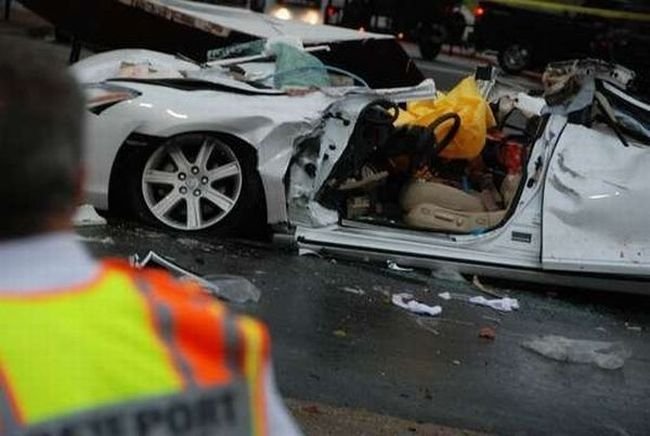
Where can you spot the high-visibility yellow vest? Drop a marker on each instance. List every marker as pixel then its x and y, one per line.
pixel 132 353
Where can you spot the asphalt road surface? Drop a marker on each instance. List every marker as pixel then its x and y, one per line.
pixel 353 363
pixel 338 340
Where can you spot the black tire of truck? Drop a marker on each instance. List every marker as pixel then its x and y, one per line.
pixel 430 40
pixel 515 58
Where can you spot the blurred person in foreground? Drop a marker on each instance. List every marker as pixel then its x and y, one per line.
pixel 98 348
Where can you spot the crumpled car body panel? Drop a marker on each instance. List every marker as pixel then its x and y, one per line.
pixel 596 204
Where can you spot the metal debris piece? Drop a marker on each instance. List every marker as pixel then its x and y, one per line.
pixel 235 289
pixel 481 287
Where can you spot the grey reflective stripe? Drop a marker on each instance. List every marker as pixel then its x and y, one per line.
pixel 165 321
pixel 219 411
pixel 9 424
pixel 234 343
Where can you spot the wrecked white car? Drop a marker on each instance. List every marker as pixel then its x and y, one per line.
pixel 557 189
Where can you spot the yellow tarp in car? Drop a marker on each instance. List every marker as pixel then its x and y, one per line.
pixel 464 100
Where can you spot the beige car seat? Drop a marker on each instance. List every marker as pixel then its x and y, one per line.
pixel 419 192
pixel 435 206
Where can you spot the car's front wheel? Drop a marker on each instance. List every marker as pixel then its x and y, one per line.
pixel 196 182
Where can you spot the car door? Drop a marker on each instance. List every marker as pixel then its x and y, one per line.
pixel 596 206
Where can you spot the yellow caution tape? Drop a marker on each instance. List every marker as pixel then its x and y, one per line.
pixel 564 8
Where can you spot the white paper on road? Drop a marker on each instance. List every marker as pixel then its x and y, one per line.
pixel 502 305
pixel 406 301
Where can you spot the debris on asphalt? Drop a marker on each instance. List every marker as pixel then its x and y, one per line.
pixel 86 215
pixel 456 362
pixel 502 305
pixel 494 320
pixel 487 333
pixel 481 287
pixel 197 245
pixel 633 328
pixel 605 355
pixel 448 274
pixel 235 289
pixel 355 290
pixel 428 325
pixel 395 267
pixel 89 239
pixel 313 409
pixel 308 252
pixel 407 302
pixel 445 296
pixel 383 290
pixel 340 333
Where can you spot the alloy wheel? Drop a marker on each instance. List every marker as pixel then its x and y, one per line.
pixel 192 183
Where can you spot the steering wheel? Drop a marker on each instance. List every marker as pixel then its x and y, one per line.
pixel 442 144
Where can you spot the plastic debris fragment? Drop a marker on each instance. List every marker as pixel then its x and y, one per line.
pixel 606 355
pixel 449 274
pixel 86 215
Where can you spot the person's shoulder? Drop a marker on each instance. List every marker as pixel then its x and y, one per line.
pixel 189 300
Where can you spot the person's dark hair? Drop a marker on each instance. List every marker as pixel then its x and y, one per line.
pixel 41 123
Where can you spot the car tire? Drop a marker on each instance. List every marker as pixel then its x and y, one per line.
pixel 515 58
pixel 430 40
pixel 197 183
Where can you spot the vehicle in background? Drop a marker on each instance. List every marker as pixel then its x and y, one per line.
pixel 531 33
pixel 430 24
pixel 307 11
pixel 246 4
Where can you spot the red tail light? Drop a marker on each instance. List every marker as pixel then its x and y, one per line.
pixel 331 11
pixel 479 11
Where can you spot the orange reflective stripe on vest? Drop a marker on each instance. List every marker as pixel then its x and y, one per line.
pixel 134 349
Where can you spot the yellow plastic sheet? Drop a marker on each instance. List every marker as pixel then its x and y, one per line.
pixel 464 100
